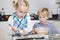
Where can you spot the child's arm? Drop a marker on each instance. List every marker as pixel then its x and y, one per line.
pixel 33 31
pixel 17 30
pixel 13 28
pixel 10 23
pixel 54 30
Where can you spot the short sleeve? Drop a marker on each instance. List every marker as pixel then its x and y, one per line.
pixel 10 21
pixel 54 31
pixel 35 25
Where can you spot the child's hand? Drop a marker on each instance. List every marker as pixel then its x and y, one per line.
pixel 22 35
pixel 33 31
pixel 22 32
pixel 14 29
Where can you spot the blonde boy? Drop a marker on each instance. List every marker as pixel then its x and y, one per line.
pixel 43 26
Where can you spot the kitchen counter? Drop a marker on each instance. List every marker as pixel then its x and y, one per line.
pixel 53 19
pixel 4 17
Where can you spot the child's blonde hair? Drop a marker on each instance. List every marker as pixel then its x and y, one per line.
pixel 43 10
pixel 19 2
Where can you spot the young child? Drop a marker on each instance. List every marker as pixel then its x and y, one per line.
pixel 20 20
pixel 43 26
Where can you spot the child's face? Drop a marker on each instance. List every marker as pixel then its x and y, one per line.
pixel 21 11
pixel 43 17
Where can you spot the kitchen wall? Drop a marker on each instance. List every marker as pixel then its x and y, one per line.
pixel 34 5
pixel 7 5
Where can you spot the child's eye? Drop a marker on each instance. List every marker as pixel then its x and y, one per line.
pixel 20 11
pixel 39 17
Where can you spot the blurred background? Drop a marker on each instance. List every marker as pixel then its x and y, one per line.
pixel 6 9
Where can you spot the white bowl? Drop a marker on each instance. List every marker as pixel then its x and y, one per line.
pixel 42 30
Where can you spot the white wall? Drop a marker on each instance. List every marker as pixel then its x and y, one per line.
pixel 34 5
pixel 7 5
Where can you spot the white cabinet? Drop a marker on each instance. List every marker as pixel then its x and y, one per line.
pixel 4 31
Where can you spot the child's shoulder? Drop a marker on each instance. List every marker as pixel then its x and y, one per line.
pixel 37 23
pixel 50 23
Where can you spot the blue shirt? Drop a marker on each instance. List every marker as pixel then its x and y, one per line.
pixel 51 27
